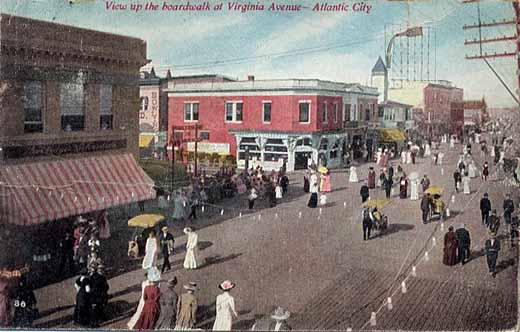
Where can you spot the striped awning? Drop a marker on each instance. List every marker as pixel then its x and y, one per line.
pixel 33 193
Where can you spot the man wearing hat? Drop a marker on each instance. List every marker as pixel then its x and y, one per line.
pixel 494 222
pixel 492 247
pixel 485 208
pixel 166 241
pixel 464 243
pixel 277 321
pixel 187 308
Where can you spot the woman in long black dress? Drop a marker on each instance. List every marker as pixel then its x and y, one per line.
pixel 306 182
pixel 83 308
pixel 24 305
pixel 313 200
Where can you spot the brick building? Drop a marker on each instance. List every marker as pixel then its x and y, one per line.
pixel 274 120
pixel 431 103
pixel 153 111
pixel 475 112
pixel 68 126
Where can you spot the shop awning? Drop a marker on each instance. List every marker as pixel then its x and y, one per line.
pixel 145 140
pixel 33 193
pixel 391 135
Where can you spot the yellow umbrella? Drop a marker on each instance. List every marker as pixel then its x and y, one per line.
pixel 434 190
pixel 378 203
pixel 145 220
pixel 323 169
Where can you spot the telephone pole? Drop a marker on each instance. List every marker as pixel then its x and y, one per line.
pixel 503 39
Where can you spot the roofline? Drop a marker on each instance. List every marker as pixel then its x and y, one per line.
pixel 6 15
pixel 274 89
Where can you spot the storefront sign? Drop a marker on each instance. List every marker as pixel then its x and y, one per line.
pixel 209 147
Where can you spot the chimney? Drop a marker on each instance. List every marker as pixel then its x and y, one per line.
pixel 250 77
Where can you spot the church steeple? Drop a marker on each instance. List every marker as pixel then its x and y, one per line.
pixel 379 67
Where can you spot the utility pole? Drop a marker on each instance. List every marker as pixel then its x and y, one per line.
pixel 480 41
pixel 196 148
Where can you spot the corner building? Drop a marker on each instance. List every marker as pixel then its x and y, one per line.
pixel 273 120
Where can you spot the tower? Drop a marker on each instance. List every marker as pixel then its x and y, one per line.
pixel 378 78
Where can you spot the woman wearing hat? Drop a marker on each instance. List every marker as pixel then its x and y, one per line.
pixel 151 307
pixel 168 303
pixel 187 308
pixel 190 261
pixel 225 308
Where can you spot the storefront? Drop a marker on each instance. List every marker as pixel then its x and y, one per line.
pixel 270 150
pixel 392 139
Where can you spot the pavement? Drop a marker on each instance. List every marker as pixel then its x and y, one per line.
pixel 318 266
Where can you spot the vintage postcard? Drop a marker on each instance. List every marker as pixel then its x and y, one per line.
pixel 265 165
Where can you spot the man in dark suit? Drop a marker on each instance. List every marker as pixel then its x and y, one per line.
pixel 464 242
pixel 364 192
pixel 509 208
pixel 492 248
pixel 100 288
pixel 485 208
pixel 425 207
pixel 166 241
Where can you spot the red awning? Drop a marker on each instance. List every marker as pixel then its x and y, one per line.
pixel 36 192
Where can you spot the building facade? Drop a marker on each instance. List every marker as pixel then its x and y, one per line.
pixel 68 126
pixel 431 103
pixel 475 112
pixel 270 122
pixel 153 111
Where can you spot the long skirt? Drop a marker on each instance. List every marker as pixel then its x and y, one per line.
pixel 313 200
pixel 306 185
pixel 190 261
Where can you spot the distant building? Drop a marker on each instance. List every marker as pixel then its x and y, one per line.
pixel 153 111
pixel 396 115
pixel 475 112
pixel 377 78
pixel 272 121
pixel 68 126
pixel 431 102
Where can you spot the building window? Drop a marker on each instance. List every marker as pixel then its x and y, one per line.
pixel 204 135
pixel 144 103
pixel 305 112
pixel 275 150
pixel 72 106
pixel 105 107
pixel 306 141
pixel 32 105
pixel 325 114
pixel 234 111
pixel 353 114
pixel 191 111
pixel 336 113
pixel 346 112
pixel 249 144
pixel 266 113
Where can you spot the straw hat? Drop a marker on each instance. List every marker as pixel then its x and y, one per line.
pixel 164 228
pixel 226 285
pixel 154 275
pixel 187 230
pixel 280 314
pixel 191 286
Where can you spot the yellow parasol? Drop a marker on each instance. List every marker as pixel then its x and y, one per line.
pixel 378 203
pixel 323 169
pixel 145 220
pixel 434 190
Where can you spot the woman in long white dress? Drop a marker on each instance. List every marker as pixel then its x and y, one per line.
pixel 225 306
pixel 427 150
pixel 472 170
pixel 409 156
pixel 150 257
pixel 190 261
pixel 353 175
pixel 465 183
pixel 153 275
pixel 440 156
pixel 414 191
pixel 403 157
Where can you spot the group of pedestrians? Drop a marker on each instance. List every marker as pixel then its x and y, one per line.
pixel 91 297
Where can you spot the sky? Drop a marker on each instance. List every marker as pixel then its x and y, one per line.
pixel 336 46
